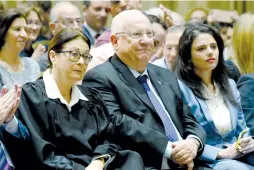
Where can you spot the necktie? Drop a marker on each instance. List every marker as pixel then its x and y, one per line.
pixel 3 161
pixel 168 124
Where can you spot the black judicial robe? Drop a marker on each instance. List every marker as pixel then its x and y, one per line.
pixel 61 139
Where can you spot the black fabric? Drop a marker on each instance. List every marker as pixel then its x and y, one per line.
pixel 61 139
pixel 134 119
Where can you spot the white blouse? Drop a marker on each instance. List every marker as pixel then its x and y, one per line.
pixel 218 109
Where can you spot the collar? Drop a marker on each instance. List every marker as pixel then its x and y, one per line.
pixel 91 31
pixel 53 92
pixel 137 74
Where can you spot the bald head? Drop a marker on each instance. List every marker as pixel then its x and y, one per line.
pixel 61 8
pixel 65 15
pixel 127 19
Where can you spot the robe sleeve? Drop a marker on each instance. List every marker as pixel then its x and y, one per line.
pixel 32 111
pixel 104 148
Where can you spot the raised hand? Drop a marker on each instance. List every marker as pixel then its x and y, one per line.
pixel 38 52
pixel 16 103
pixel 7 101
pixel 167 16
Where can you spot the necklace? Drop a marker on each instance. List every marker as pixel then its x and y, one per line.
pixel 9 70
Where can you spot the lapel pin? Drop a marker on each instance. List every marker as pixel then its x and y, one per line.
pixel 159 82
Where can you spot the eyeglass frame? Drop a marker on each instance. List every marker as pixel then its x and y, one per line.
pixel 131 34
pixel 86 59
pixel 72 19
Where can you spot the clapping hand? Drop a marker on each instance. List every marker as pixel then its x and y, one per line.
pixel 38 52
pixel 9 102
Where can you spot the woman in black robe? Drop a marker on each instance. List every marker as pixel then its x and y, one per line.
pixel 68 124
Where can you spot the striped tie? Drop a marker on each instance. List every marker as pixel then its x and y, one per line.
pixel 3 161
pixel 167 122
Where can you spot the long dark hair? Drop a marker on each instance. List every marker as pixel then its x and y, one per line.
pixel 63 37
pixel 6 19
pixel 185 68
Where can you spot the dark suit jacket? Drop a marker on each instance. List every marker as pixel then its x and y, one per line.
pixel 136 124
pixel 245 86
pixel 88 35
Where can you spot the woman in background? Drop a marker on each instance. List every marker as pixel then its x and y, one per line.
pixel 33 30
pixel 13 68
pixel 243 44
pixel 213 98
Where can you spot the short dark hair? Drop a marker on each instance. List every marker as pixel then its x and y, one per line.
pixel 155 19
pixel 6 19
pixel 45 5
pixel 184 66
pixel 64 36
pixel 87 3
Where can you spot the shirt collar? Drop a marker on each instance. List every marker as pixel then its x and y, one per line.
pixel 91 31
pixel 136 74
pixel 53 92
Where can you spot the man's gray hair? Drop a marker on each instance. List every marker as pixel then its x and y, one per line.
pixel 120 21
pixel 54 13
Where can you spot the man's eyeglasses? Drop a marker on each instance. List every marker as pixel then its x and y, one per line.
pixel 138 35
pixel 68 22
pixel 75 56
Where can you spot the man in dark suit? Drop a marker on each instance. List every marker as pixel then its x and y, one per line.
pixel 147 116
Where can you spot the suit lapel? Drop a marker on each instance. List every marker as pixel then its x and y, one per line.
pixel 164 93
pixel 127 77
pixel 233 113
pixel 207 114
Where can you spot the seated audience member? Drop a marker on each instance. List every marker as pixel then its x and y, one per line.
pixel 213 98
pixel 197 15
pixel 242 40
pixel 63 15
pixel 170 48
pixel 45 7
pixel 115 7
pixel 159 29
pixel 12 131
pixel 13 68
pixel 95 14
pixel 33 18
pixel 67 122
pixel 144 100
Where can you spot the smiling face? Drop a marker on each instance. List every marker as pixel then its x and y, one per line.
pixel 204 52
pixel 65 68
pixel 33 25
pixel 135 52
pixel 16 36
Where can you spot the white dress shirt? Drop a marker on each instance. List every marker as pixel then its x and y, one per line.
pixel 53 92
pixel 218 110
